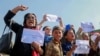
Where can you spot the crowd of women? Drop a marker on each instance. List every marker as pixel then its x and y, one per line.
pixel 59 41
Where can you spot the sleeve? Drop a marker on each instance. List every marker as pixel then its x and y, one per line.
pixel 48 50
pixel 7 18
pixel 65 49
pixel 38 27
pixel 79 35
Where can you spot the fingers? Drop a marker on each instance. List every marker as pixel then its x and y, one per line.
pixel 59 19
pixel 73 47
pixel 80 29
pixel 19 8
pixel 22 8
pixel 36 46
pixel 44 17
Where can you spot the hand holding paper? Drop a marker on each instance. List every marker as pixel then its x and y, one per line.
pixel 73 48
pixel 82 47
pixel 96 38
pixel 45 18
pixel 87 26
pixel 52 18
pixel 30 36
pixel 93 37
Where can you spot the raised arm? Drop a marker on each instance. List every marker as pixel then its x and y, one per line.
pixel 61 22
pixel 11 13
pixel 19 8
pixel 79 33
pixel 42 21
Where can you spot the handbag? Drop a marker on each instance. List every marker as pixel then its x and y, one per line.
pixel 5 41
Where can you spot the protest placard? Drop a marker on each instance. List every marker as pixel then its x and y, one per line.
pixel 87 26
pixel 30 35
pixel 82 47
pixel 52 18
pixel 93 38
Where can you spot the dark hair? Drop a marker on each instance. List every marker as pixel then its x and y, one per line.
pixel 57 28
pixel 25 18
pixel 63 40
pixel 66 32
pixel 44 27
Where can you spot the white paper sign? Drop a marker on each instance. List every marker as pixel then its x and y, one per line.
pixel 82 47
pixel 30 36
pixel 93 37
pixel 87 26
pixel 52 18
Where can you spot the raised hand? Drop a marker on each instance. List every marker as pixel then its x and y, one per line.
pixel 19 8
pixel 44 17
pixel 73 48
pixel 80 29
pixel 37 47
pixel 69 53
pixel 59 18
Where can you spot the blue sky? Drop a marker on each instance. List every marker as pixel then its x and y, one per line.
pixel 71 11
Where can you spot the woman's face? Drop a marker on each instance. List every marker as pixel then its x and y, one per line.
pixel 85 36
pixel 31 21
pixel 70 35
pixel 48 31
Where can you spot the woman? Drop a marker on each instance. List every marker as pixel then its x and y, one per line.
pixel 68 45
pixel 30 22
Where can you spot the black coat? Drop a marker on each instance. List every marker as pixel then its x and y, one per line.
pixel 19 49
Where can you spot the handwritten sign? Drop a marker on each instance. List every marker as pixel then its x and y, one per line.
pixel 82 47
pixel 87 26
pixel 52 18
pixel 93 38
pixel 30 36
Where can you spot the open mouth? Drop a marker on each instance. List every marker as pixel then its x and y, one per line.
pixel 31 22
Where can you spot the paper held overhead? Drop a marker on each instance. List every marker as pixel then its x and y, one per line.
pixel 87 26
pixel 52 18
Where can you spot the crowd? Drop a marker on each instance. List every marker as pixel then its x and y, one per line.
pixel 58 41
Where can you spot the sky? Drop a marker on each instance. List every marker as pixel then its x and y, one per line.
pixel 71 11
